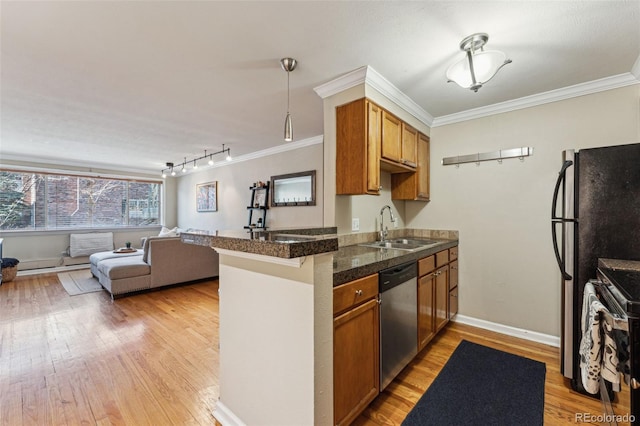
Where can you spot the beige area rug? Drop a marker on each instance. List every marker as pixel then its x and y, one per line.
pixel 79 282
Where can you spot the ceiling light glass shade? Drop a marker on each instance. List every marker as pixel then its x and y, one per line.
pixel 288 129
pixel 478 66
pixel 210 162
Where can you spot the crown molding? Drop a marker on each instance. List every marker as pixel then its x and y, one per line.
pixel 370 77
pixel 342 83
pixel 595 86
pixel 635 70
pixel 314 140
pixel 384 86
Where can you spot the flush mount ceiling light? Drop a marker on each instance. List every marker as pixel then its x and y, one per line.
pixel 288 64
pixel 479 65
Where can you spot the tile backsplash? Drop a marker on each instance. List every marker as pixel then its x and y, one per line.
pixel 365 237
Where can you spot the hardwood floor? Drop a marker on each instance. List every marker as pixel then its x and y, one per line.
pixel 148 359
pixel 152 359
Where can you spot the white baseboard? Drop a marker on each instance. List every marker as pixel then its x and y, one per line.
pixel 225 416
pixel 51 270
pixel 533 336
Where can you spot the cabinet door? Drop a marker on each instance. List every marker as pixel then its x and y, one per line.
pixel 453 302
pixel 453 274
pixel 442 297
pixel 391 137
pixel 356 361
pixel 426 325
pixel 422 174
pixel 409 145
pixel 374 141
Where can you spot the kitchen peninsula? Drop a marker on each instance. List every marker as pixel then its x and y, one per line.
pixel 277 316
pixel 276 312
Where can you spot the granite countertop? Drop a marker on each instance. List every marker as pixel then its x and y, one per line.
pixel 285 243
pixel 353 262
pixel 349 262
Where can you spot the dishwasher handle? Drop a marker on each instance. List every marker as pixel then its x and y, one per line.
pixel 392 277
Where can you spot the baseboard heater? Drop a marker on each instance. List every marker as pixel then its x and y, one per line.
pixel 87 244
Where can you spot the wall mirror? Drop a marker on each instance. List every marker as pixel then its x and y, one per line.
pixel 294 189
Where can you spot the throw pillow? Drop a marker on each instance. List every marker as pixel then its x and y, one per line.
pixel 166 232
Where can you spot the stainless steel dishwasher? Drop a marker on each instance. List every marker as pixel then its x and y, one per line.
pixel 398 288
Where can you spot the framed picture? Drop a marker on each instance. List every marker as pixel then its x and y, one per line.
pixel 207 197
pixel 260 198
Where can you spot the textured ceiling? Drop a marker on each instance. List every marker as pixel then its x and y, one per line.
pixel 137 84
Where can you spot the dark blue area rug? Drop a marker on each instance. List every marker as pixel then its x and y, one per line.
pixel 483 386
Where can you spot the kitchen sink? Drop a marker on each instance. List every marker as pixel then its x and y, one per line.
pixel 401 244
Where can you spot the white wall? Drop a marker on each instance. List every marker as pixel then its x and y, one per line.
pixel 508 272
pixel 234 180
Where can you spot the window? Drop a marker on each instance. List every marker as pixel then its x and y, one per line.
pixel 40 201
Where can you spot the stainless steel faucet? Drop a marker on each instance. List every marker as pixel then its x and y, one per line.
pixel 384 230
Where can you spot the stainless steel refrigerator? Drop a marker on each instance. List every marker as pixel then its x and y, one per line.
pixel 595 214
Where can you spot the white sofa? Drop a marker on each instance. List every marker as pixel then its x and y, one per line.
pixel 162 261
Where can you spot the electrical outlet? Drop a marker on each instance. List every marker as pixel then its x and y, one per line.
pixel 355 224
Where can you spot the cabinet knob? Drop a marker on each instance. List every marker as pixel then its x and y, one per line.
pixel 358 292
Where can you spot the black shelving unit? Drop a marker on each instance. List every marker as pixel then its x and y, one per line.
pixel 258 207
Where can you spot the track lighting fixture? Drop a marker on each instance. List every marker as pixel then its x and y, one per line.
pixel 170 167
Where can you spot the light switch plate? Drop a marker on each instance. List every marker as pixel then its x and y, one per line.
pixel 355 224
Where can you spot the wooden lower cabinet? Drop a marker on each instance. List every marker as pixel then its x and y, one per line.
pixel 453 302
pixel 437 293
pixel 426 293
pixel 356 352
pixel 453 285
pixel 442 298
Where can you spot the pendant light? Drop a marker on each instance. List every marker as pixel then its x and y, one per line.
pixel 288 64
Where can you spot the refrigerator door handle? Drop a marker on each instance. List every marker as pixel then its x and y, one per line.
pixel 561 177
pixel 555 220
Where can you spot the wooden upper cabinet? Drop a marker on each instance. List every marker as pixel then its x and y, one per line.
pixel 391 137
pixel 374 142
pixel 414 185
pixel 358 140
pixel 409 146
pixel 422 174
pixel 370 139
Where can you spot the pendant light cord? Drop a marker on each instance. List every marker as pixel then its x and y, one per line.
pixel 288 92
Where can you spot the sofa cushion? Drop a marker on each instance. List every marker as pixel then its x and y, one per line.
pixel 95 258
pixel 125 267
